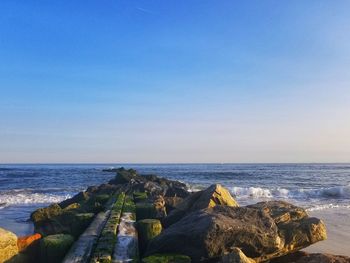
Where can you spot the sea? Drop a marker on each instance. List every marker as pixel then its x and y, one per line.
pixel 26 187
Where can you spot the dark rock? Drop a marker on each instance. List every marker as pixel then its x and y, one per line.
pixel 70 222
pixel 140 197
pixel 171 188
pixel 53 248
pixel 262 232
pixel 78 198
pixel 124 176
pixel 145 211
pixel 46 213
pixel 172 203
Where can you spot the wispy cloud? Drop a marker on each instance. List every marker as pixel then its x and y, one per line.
pixel 144 10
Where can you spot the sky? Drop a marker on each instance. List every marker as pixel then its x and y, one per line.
pixel 174 81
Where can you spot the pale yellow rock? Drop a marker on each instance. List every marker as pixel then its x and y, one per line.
pixel 8 245
pixel 210 197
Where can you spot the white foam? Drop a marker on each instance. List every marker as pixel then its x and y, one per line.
pixel 21 198
pixel 327 206
pixel 337 192
pixel 259 192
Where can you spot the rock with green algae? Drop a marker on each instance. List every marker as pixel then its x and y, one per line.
pixel 125 176
pixel 72 206
pixel 129 205
pixel 147 229
pixel 42 214
pixel 145 211
pixel 54 247
pixel 69 222
pixel 78 198
pixel 167 258
pixel 8 245
pixel 140 196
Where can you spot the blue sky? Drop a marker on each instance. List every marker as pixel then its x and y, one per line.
pixel 174 81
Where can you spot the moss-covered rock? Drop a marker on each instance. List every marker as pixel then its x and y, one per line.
pixel 140 196
pixel 53 248
pixel 92 206
pixel 70 222
pixel 42 214
pixel 167 258
pixel 125 176
pixel 73 206
pixel 147 229
pixel 78 198
pixel 80 223
pixel 102 198
pixel 129 205
pixel 145 211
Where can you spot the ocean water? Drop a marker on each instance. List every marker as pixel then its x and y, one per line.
pixel 24 188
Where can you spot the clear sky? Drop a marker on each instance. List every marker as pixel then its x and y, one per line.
pixel 174 81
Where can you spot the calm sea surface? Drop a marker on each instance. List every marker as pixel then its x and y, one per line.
pixel 24 188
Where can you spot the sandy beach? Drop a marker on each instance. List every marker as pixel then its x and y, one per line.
pixel 338 231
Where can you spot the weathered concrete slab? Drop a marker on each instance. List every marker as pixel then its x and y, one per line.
pixel 82 248
pixel 126 248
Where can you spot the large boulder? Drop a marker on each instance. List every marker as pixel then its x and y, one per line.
pixel 8 245
pixel 46 213
pixel 262 232
pixel 210 197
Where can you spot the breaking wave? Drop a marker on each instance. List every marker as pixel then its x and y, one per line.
pixel 25 196
pixel 336 192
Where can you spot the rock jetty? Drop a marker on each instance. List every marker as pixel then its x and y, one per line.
pixel 149 219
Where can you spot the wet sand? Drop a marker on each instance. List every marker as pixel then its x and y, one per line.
pixel 338 231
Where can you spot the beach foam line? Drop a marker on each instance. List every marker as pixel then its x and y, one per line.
pixel 327 206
